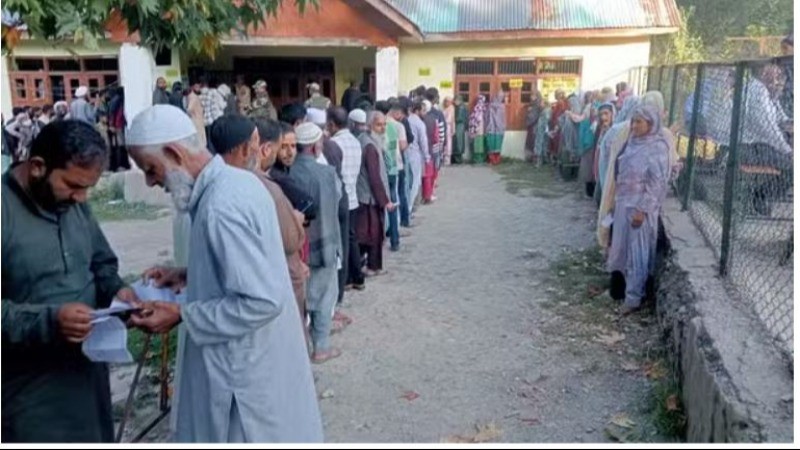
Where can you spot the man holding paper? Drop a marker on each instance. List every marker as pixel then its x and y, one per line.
pixel 243 374
pixel 57 268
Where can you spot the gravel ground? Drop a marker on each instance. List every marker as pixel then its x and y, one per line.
pixel 470 336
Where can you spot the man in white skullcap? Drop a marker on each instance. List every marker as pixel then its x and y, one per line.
pixel 81 109
pixel 243 374
pixel 358 122
pixel 322 183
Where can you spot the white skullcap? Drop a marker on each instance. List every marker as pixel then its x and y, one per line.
pixel 224 90
pixel 159 124
pixel 358 116
pixel 308 133
pixel 81 91
pixel 313 87
pixel 317 116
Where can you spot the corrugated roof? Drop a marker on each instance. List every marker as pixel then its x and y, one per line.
pixel 452 16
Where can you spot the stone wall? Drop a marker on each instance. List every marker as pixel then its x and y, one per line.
pixel 737 386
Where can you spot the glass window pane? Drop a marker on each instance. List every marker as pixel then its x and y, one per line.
pixel 19 87
pixel 41 89
pixel 527 86
pixel 526 98
pixel 65 65
pixel 30 64
pixel 463 87
pixel 486 87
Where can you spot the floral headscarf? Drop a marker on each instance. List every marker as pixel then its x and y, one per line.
pixel 476 119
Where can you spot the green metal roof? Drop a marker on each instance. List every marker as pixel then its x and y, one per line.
pixel 453 16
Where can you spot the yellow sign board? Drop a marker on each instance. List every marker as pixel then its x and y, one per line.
pixel 424 71
pixel 446 84
pixel 515 83
pixel 549 85
pixel 172 73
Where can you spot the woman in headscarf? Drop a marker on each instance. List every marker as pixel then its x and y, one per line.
pixel 449 112
pixel 605 120
pixel 621 123
pixel 531 124
pixel 641 173
pixel 496 127
pixel 176 97
pixel 561 106
pixel 542 144
pixel 613 144
pixel 462 121
pixel 569 127
pixel 477 130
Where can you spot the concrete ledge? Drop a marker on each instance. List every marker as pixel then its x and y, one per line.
pixel 736 385
pixel 136 189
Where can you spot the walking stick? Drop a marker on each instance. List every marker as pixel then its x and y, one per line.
pixel 129 403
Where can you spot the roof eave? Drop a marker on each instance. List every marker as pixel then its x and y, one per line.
pixel 545 34
pixel 414 34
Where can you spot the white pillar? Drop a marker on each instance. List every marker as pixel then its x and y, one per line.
pixel 137 75
pixel 5 93
pixel 387 72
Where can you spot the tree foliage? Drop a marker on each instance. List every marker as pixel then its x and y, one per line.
pixel 195 25
pixel 707 26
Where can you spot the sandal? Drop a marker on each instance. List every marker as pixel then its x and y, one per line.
pixel 322 358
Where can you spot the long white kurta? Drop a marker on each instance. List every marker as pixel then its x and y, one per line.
pixel 244 374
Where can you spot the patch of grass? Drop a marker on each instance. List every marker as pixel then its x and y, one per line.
pixel 667 409
pixel 527 180
pixel 137 339
pixel 108 205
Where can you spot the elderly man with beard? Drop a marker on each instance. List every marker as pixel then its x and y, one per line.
pixel 324 259
pixel 243 373
pixel 373 193
pixel 57 268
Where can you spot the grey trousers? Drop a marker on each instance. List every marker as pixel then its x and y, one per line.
pixel 323 291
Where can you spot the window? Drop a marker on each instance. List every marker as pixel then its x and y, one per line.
pixel 559 66
pixel 526 94
pixel 20 89
pixel 516 67
pixel 164 57
pixel 41 89
pixel 65 65
pixel 480 67
pixel 29 64
pixel 101 64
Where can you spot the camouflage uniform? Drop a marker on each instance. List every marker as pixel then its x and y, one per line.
pixel 318 101
pixel 262 106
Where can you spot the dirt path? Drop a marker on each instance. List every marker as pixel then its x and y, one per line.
pixel 484 316
pixel 466 319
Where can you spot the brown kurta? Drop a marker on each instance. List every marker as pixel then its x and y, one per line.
pixel 293 236
pixel 370 227
pixel 195 110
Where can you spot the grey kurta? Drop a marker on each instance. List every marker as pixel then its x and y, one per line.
pixel 245 374
pixel 51 391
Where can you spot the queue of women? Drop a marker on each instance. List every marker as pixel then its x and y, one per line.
pixel 625 157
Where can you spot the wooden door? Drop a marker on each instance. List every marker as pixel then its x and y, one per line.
pixel 71 83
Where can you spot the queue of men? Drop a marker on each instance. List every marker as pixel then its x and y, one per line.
pixel 282 219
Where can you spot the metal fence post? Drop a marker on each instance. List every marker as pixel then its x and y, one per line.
pixel 673 99
pixel 661 78
pixel 731 171
pixel 690 152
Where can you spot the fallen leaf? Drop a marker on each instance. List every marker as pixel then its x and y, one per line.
pixel 610 340
pixel 630 366
pixel 410 396
pixel 484 433
pixel 329 393
pixel 594 291
pixel 531 421
pixel 655 371
pixel 672 403
pixel 616 435
pixel 623 421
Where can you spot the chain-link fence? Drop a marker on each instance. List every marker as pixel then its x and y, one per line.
pixel 733 126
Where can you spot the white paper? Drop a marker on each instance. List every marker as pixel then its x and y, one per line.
pixel 108 341
pixel 117 306
pixel 148 293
